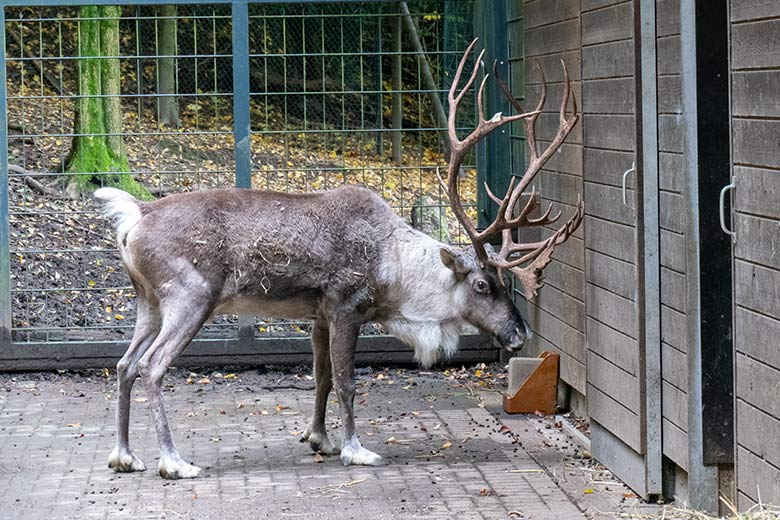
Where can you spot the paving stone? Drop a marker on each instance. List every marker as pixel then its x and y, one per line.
pixel 449 459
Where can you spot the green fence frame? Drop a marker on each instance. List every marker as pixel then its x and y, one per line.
pixel 496 158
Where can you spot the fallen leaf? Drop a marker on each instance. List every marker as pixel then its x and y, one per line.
pixel 318 458
pixel 140 399
pixel 279 407
pixel 204 381
pixel 230 376
pixel 391 440
pixel 588 491
pixel 446 445
pixel 485 492
pixel 514 514
pixel 74 425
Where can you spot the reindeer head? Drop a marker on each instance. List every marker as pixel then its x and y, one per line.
pixel 489 306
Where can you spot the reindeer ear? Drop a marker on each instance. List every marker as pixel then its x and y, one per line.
pixel 455 263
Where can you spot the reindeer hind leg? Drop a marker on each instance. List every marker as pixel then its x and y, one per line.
pixel 147 326
pixel 180 323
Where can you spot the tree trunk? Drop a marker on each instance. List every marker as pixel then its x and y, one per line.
pixel 98 147
pixel 167 104
pixel 430 85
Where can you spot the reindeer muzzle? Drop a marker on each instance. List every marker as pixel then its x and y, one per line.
pixel 514 335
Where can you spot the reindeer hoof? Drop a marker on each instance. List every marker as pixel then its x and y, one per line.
pixel 174 468
pixel 359 456
pixel 320 443
pixel 125 461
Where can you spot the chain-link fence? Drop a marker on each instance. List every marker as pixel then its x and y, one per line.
pixel 152 97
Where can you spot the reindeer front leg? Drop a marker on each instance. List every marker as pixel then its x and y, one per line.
pixel 343 341
pixel 316 433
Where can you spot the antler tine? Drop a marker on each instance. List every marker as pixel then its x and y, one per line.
pixel 480 92
pixel 495 199
pixel 530 124
pixel 441 180
pixel 461 66
pixel 543 95
pixel 544 219
pixel 566 94
pixel 459 70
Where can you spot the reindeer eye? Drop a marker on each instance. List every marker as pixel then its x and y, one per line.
pixel 481 286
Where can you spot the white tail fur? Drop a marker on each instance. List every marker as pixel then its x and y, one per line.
pixel 121 207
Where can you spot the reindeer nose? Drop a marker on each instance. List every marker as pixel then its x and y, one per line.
pixel 516 341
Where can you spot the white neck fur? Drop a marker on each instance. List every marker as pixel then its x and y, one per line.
pixel 428 302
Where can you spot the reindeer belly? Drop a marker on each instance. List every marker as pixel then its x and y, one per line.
pixel 296 307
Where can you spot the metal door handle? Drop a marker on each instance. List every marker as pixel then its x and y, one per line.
pixel 722 209
pixel 625 175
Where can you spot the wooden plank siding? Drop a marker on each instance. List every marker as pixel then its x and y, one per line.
pixel 552 33
pixel 672 215
pixel 609 144
pixel 755 120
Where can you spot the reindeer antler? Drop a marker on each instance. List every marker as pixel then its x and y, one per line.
pixel 536 254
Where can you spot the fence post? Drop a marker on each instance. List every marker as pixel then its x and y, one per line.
pixel 493 152
pixel 241 129
pixel 5 251
pixel 241 124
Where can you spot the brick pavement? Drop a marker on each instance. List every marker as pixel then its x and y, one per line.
pixel 56 431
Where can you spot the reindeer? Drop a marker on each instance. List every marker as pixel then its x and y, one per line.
pixel 340 258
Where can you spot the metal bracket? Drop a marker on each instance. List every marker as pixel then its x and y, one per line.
pixel 722 209
pixel 625 175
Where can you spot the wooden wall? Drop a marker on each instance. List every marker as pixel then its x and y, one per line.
pixel 674 358
pixel 552 33
pixel 755 109
pixel 609 123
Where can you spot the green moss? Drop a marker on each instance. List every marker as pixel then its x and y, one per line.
pixel 98 156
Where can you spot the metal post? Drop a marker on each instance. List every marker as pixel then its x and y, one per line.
pixel 242 129
pixel 5 258
pixel 241 107
pixel 702 480
pixel 651 299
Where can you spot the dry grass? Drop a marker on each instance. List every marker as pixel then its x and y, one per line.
pixel 757 512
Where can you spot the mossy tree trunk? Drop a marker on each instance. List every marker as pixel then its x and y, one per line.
pixel 167 104
pixel 98 156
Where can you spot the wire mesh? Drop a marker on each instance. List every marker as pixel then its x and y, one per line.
pixel 321 101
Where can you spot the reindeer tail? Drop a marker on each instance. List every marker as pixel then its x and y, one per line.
pixel 122 208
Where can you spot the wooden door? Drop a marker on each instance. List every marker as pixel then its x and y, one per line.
pixel 621 267
pixel 755 126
